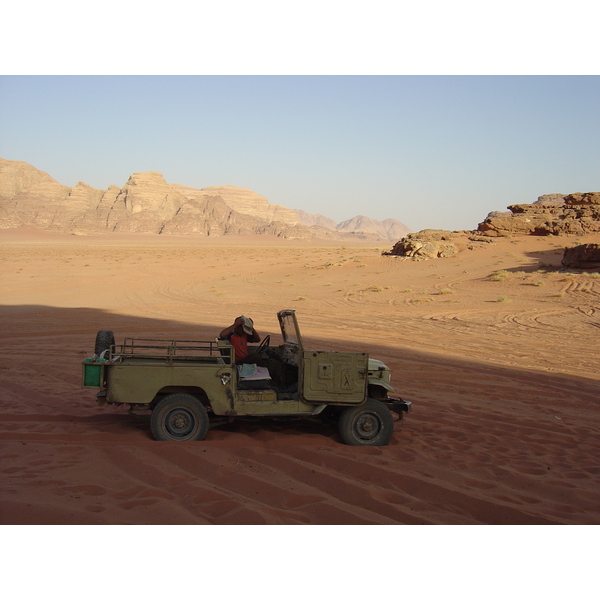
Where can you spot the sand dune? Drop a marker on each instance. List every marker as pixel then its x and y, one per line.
pixel 496 348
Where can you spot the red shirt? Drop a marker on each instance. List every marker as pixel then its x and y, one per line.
pixel 240 343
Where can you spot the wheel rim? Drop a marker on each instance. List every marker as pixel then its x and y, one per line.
pixel 367 426
pixel 180 422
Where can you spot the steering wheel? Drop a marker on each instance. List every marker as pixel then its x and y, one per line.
pixel 262 347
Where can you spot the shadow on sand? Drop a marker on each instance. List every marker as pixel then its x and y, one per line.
pixel 483 444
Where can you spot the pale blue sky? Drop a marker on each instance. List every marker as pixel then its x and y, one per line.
pixel 430 151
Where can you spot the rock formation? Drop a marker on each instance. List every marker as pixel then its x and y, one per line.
pixel 428 243
pixel 148 204
pixel 389 228
pixel 585 256
pixel 552 214
pixel 32 197
pixel 577 215
pixel 243 201
pixel 315 220
pixel 551 199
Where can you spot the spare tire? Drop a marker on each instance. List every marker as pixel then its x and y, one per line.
pixel 104 340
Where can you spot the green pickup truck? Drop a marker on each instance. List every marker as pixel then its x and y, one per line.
pixel 191 386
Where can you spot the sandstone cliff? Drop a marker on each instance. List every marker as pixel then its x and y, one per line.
pixel 148 204
pixel 32 197
pixel 575 215
pixel 245 202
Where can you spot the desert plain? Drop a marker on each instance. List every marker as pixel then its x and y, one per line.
pixel 497 348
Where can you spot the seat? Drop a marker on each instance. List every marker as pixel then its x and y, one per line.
pixel 252 377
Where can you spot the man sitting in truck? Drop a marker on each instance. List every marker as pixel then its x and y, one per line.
pixel 239 334
pixel 252 371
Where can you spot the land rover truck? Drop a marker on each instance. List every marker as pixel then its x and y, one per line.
pixel 191 386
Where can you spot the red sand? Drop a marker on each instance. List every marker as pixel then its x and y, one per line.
pixel 505 427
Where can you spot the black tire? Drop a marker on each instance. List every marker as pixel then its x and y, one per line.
pixel 179 418
pixel 104 340
pixel 370 424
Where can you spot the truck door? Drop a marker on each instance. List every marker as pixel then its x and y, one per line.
pixel 334 377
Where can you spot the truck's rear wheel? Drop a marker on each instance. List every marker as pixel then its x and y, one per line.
pixel 370 424
pixel 179 418
pixel 104 340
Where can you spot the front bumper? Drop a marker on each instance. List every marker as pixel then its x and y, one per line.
pixel 398 405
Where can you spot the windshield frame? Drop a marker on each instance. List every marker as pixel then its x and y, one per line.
pixel 289 327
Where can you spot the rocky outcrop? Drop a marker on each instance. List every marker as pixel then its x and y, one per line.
pixel 585 256
pixel 148 204
pixel 577 215
pixel 438 243
pixel 428 243
pixel 551 199
pixel 499 214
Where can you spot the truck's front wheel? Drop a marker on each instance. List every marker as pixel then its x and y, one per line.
pixel 370 424
pixel 179 418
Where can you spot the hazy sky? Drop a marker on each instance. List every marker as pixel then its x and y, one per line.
pixel 430 151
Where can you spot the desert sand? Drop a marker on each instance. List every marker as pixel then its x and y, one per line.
pixel 496 348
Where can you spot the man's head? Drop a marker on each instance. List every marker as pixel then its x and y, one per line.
pixel 245 325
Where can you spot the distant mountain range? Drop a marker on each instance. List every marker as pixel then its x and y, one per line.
pixel 148 204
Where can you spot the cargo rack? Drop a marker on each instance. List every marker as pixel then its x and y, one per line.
pixel 171 350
